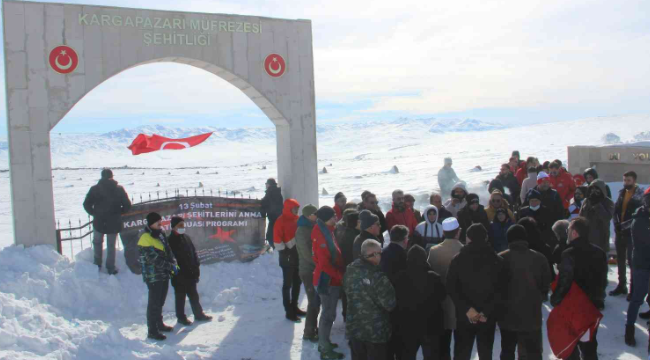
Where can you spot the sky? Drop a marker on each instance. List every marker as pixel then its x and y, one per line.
pixel 512 62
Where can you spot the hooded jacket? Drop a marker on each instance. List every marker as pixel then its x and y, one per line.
pixel 449 205
pixel 156 257
pixel 419 293
pixel 594 174
pixel 467 217
pixel 328 263
pixel 106 202
pixel 428 233
pixel 497 233
pixel 272 203
pixel 284 231
pixel 446 179
pixel 599 214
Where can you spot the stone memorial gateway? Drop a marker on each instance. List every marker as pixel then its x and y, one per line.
pixel 57 53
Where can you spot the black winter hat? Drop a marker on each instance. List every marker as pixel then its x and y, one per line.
pixel 271 181
pixel 176 220
pixel 477 233
pixel 351 218
pixel 338 196
pixel 367 219
pixel 107 174
pixel 471 198
pixel 325 213
pixel 516 233
pixel 534 194
pixel 153 218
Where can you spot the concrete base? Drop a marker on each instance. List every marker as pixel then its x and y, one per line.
pixel 611 162
pixel 109 40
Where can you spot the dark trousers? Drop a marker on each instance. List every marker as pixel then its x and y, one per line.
pixel 624 249
pixel 445 345
pixel 531 341
pixel 269 232
pixel 186 288
pixel 430 347
pixel 588 350
pixel 639 292
pixel 344 303
pixel 395 345
pixel 362 350
pixel 157 296
pixel 290 287
pixel 483 333
pixel 313 304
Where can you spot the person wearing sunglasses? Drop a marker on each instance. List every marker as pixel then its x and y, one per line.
pixel 371 298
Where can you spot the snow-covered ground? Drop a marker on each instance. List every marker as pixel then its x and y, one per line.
pixel 58 307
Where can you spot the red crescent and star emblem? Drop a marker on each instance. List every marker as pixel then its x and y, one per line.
pixel 63 59
pixel 274 65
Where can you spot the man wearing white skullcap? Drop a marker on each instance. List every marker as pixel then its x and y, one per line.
pixel 439 259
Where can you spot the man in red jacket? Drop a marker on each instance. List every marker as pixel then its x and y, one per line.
pixel 563 183
pixel 328 277
pixel 339 203
pixel 400 214
pixel 284 233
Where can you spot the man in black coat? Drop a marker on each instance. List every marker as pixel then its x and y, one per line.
pixel 188 276
pixel 586 264
pixel 528 283
pixel 106 202
pixel 542 216
pixel 473 213
pixel 393 260
pixel 419 315
pixel 369 226
pixel 272 205
pixel 475 282
pixel 509 180
pixel 549 197
pixel 630 198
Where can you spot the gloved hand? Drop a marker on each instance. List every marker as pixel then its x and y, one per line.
pixel 175 270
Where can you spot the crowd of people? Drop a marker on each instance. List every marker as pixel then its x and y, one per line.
pixel 459 269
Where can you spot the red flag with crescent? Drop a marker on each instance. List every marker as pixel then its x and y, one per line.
pixel 149 143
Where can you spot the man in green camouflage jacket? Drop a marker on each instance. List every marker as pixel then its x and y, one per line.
pixel 371 297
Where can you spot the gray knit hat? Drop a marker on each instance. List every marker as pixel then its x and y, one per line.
pixel 367 219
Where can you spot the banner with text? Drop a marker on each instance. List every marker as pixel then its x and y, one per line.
pixel 221 229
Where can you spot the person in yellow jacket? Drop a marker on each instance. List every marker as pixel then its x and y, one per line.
pixel 158 265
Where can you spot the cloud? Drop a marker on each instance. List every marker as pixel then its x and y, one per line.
pixel 411 57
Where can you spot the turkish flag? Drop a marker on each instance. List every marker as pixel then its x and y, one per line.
pixel 149 143
pixel 574 318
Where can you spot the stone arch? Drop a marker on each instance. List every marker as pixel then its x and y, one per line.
pixel 38 97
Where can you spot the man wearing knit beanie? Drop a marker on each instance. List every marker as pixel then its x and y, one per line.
pixel 188 276
pixel 328 277
pixel 523 320
pixel 158 265
pixel 370 228
pixel 306 268
pixel 475 284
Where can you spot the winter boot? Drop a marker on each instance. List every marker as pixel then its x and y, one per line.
pixel 330 354
pixel 184 321
pixel 300 313
pixel 313 338
pixel 203 317
pixel 629 335
pixel 620 290
pixel 156 336
pixel 645 315
pixel 164 328
pixel 291 315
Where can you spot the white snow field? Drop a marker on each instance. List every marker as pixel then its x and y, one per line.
pixel 60 307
